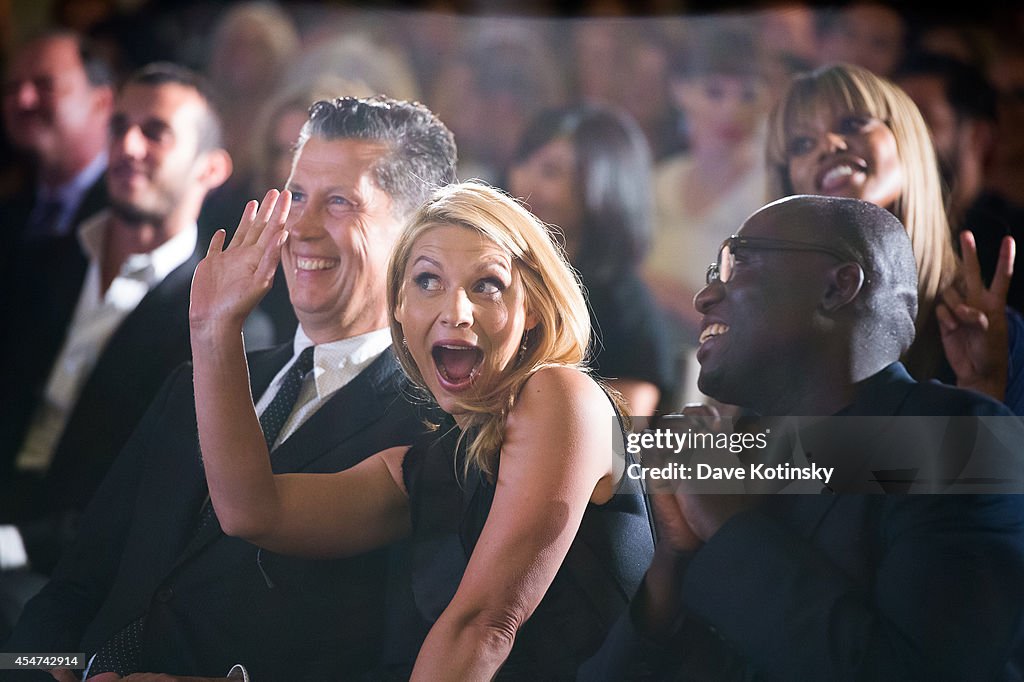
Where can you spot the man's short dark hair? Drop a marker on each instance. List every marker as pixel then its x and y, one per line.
pixel 97 69
pixel 161 73
pixel 422 153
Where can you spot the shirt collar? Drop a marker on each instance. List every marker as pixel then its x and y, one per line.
pixel 329 358
pixel 881 393
pixel 69 192
pixel 160 261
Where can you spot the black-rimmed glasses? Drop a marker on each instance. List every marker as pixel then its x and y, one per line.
pixel 722 269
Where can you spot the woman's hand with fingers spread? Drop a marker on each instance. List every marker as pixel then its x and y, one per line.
pixel 230 282
pixel 973 323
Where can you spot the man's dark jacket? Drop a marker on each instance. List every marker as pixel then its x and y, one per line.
pixel 851 586
pixel 148 344
pixel 211 601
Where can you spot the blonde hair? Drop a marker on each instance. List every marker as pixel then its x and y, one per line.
pixel 553 294
pixel 920 206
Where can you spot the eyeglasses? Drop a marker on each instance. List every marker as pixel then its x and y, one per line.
pixel 722 269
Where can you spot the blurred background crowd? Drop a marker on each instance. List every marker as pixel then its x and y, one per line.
pixel 687 86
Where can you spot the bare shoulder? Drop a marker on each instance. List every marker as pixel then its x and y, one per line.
pixel 560 398
pixel 561 428
pixel 565 391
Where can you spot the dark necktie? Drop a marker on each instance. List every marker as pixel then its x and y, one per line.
pixel 42 221
pixel 274 417
pixel 280 408
pixel 121 653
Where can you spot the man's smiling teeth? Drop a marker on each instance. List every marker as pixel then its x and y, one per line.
pixel 715 329
pixel 315 263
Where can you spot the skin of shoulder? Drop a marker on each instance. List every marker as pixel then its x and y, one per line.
pixel 562 410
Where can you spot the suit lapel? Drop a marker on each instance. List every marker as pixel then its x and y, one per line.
pixel 149 342
pixel 353 408
pixel 264 365
pixel 350 410
pixel 161 316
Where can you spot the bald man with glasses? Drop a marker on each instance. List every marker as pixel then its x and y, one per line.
pixel 806 312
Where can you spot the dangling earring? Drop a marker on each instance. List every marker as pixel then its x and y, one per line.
pixel 522 348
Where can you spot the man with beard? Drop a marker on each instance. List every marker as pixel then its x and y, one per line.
pixel 79 371
pixel 806 313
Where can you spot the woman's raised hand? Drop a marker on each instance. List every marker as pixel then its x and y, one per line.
pixel 230 282
pixel 973 321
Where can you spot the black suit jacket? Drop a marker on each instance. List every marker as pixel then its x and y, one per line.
pixel 211 601
pixel 51 268
pixel 148 344
pixel 14 215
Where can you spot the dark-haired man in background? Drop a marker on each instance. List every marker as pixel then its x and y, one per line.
pixel 960 105
pixel 149 586
pixel 83 361
pixel 57 99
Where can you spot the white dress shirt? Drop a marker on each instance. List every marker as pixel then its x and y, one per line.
pixel 335 364
pixel 97 316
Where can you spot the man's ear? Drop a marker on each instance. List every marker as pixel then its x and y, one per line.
pixel 217 167
pixel 844 283
pixel 103 100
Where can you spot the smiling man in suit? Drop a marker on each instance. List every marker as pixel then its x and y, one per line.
pixel 806 313
pixel 148 575
pixel 93 346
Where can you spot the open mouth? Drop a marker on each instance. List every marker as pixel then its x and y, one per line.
pixel 302 263
pixel 457 365
pixel 713 330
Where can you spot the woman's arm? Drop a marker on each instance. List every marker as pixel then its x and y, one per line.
pixel 557 457
pixel 319 515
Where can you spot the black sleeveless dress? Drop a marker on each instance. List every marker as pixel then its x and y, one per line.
pixel 602 570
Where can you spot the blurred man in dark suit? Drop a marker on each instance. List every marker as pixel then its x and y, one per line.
pixel 89 345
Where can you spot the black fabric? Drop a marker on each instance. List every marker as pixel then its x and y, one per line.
pixel 630 335
pixel 121 654
pixel 148 344
pixel 213 601
pixel 603 568
pixel 849 586
pixel 42 222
